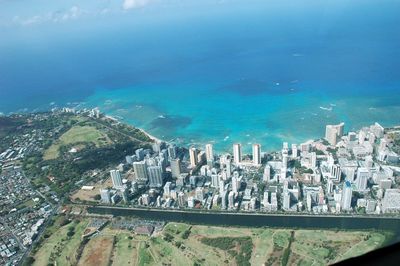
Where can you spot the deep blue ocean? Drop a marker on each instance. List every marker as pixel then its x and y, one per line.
pixel 208 71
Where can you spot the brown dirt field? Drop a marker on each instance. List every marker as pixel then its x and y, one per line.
pixel 88 195
pixel 97 252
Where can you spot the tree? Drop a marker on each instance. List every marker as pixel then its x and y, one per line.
pixel 97 197
pixel 28 261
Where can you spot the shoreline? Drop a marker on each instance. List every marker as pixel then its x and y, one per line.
pixel 149 135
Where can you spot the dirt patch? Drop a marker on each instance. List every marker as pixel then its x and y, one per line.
pixel 97 252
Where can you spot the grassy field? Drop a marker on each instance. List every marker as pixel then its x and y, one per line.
pixel 183 244
pixel 125 252
pixel 59 247
pixel 77 134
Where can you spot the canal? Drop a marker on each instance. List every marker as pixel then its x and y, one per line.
pixel 256 220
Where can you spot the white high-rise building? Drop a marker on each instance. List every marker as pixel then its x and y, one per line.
pixel 340 129
pixel 236 183
pixel 346 196
pixel 313 160
pixel 193 157
pixel 231 200
pixel 257 154
pixel 116 179
pixel 201 157
pixel 362 179
pixel 228 168
pixel 181 199
pixel 285 155
pixel 294 151
pixel 286 200
pixel 224 198
pixel 267 173
pixel 336 173
pixel 171 152
pixel 377 130
pixel 205 170
pixel 285 147
pixel 333 133
pixel 199 194
pixel 237 153
pixel 190 202
pixel 175 168
pixel 167 189
pixel 209 153
pixel 285 160
pixel 155 176
pixel 349 172
pixel 105 196
pixel 221 187
pixel 215 180
pixel 329 186
pixel 140 169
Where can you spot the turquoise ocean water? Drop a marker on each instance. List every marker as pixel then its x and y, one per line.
pixel 209 71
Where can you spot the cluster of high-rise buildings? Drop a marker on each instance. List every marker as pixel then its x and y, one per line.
pixel 340 173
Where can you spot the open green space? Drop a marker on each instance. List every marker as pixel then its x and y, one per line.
pixel 126 249
pixel 183 244
pixel 59 245
pixel 76 135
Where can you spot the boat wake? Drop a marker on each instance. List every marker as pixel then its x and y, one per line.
pixel 326 108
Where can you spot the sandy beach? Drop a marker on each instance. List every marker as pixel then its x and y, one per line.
pixel 150 136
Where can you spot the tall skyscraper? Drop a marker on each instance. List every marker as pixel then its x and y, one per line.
pixel 175 168
pixel 333 133
pixel 224 197
pixel 199 193
pixel 231 200
pixel 257 154
pixel 285 148
pixel 329 186
pixel 236 184
pixel 228 168
pixel 171 152
pixel 215 180
pixel 105 196
pixel 201 157
pixel 286 200
pixel 285 155
pixel 285 160
pixel 167 189
pixel 294 151
pixel 209 153
pixel 162 162
pixel 116 179
pixel 129 159
pixel 346 196
pixel 362 179
pixel 309 202
pixel 140 169
pixel 336 173
pixel 237 153
pixel 221 187
pixel 313 160
pixel 267 173
pixel 139 154
pixel 181 199
pixel 193 157
pixel 155 176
